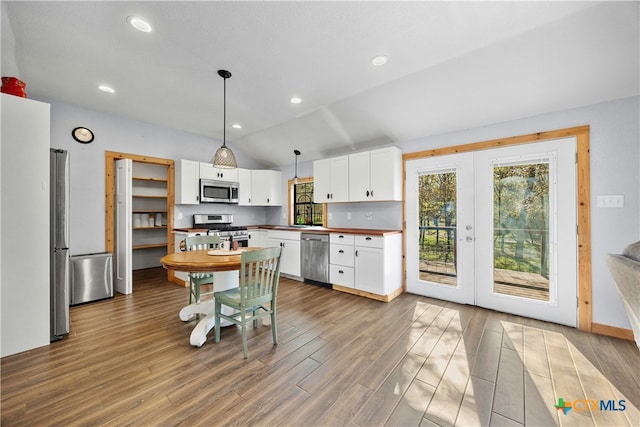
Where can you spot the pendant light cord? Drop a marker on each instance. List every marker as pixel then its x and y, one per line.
pixel 224 112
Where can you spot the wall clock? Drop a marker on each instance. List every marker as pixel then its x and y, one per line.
pixel 82 135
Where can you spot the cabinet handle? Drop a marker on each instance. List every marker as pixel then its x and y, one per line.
pixel 267 200
pixel 367 193
pixel 328 196
pixel 356 253
pixel 367 238
pixel 197 198
pixel 341 237
pixel 341 251
pixel 340 271
pixel 371 193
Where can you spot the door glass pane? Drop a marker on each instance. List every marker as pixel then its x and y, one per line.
pixel 521 229
pixel 437 214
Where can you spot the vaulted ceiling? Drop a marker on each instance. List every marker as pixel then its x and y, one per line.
pixel 452 65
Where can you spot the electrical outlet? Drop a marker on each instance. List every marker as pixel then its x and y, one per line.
pixel 369 216
pixel 179 215
pixel 348 215
pixel 330 216
pixel 610 201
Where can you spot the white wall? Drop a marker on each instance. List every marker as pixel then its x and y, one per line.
pixel 615 169
pixel 112 133
pixel 615 164
pixel 24 253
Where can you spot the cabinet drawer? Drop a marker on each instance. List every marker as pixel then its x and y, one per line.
pixel 284 235
pixel 341 255
pixel 369 241
pixel 341 239
pixel 341 275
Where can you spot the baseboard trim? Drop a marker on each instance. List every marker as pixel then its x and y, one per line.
pixel 612 331
pixel 383 298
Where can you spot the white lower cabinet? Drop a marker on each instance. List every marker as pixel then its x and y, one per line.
pixel 369 270
pixel 289 241
pixel 341 259
pixel 259 238
pixel 371 264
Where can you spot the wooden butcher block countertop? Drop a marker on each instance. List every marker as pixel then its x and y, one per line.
pixel 306 229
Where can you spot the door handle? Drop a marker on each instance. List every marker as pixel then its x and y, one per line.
pixel 469 239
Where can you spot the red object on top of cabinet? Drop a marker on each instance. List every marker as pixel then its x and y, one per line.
pixel 13 86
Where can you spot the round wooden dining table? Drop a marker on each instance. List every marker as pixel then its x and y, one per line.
pixel 225 276
pixel 201 261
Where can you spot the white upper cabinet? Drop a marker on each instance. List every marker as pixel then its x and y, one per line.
pixel 330 180
pixel 207 171
pixel 187 182
pixel 244 187
pixel 256 187
pixel 266 188
pixel 376 175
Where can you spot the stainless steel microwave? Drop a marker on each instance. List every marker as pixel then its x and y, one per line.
pixel 212 191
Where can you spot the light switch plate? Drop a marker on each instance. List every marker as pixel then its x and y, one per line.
pixel 610 201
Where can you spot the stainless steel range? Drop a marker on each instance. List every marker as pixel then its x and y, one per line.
pixel 220 225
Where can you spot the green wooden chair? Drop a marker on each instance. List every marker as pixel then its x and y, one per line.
pixel 197 279
pixel 255 297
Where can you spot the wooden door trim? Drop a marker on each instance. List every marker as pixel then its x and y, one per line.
pixel 581 133
pixel 290 201
pixel 110 158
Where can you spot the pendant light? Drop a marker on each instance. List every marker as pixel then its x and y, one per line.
pixel 224 157
pixel 295 178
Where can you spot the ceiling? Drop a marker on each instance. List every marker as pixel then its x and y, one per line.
pixel 452 65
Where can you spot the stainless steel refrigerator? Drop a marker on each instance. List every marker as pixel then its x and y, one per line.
pixel 59 244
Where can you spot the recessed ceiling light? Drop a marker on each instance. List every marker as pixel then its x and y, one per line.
pixel 236 126
pixel 139 24
pixel 379 60
pixel 295 100
pixel 106 88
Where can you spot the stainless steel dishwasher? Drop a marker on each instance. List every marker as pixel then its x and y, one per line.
pixel 314 257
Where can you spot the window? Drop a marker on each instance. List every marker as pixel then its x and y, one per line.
pixel 302 209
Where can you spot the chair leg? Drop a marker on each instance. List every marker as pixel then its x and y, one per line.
pixel 218 307
pixel 245 350
pixel 274 327
pixel 255 321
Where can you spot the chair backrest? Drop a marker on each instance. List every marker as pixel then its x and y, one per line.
pixel 197 243
pixel 259 276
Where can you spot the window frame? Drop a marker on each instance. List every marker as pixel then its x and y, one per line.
pixel 291 203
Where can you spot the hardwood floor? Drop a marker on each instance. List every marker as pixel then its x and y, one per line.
pixel 341 360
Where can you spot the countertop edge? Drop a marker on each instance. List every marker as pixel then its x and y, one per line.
pixel 321 230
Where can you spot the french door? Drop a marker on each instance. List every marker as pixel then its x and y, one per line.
pixel 496 228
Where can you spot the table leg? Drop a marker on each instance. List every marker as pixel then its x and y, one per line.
pixel 199 333
pixel 222 281
pixel 203 307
